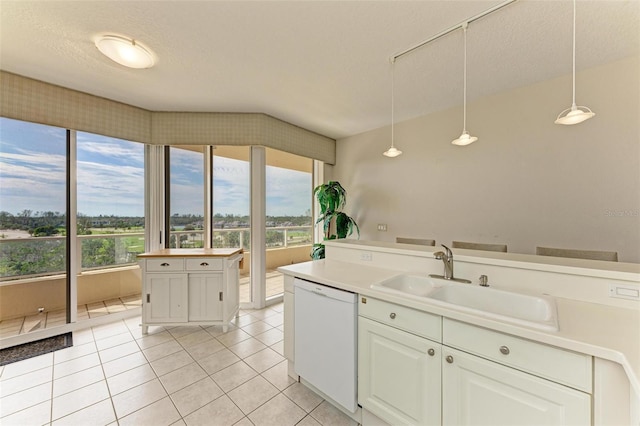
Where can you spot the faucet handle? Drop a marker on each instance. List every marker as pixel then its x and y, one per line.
pixel 449 254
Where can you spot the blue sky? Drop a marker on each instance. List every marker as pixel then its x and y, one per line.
pixel 111 177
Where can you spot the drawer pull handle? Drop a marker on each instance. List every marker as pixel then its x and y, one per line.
pixel 431 352
pixel 392 315
pixel 449 359
pixel 204 264
pixel 164 264
pixel 504 350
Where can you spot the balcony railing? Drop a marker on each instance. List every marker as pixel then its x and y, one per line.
pixel 22 258
pixel 276 237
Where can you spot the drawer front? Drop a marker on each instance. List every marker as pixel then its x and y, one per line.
pixel 556 364
pixel 164 264
pixel 204 264
pixel 408 319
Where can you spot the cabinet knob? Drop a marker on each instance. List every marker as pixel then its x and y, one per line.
pixel 504 350
pixel 204 264
pixel 449 359
pixel 164 264
pixel 392 315
pixel 431 352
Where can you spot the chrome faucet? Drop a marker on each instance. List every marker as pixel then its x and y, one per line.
pixel 447 259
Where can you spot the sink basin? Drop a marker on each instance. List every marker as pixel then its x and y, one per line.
pixel 532 311
pixel 523 309
pixel 413 285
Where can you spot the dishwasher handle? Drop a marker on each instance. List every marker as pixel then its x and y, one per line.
pixel 325 291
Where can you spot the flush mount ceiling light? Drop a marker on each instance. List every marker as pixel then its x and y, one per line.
pixel 465 138
pixel 575 114
pixel 125 51
pixel 392 151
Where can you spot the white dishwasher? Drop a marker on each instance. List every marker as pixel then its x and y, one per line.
pixel 326 340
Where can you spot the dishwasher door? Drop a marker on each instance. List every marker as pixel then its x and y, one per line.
pixel 326 340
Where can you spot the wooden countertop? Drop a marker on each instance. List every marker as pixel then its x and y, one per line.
pixel 199 252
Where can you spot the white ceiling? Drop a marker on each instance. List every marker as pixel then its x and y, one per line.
pixel 322 65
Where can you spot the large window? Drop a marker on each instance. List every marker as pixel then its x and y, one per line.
pixel 33 220
pixel 186 219
pixel 110 217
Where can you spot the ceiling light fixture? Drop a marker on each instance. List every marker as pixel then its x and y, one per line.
pixel 575 114
pixel 392 151
pixel 125 51
pixel 465 138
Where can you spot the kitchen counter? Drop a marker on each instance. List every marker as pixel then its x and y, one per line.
pixel 607 332
pixel 198 252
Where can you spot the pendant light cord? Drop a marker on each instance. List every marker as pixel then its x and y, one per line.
pixel 574 53
pixel 393 67
pixel 464 84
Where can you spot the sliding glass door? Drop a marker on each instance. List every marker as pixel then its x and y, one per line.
pixel 33 227
pixel 231 199
pixel 289 227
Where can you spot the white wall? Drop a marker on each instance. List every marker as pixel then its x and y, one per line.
pixel 525 182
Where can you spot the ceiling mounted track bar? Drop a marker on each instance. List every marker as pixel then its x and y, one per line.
pixel 451 29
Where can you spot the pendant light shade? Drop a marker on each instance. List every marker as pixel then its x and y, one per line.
pixel 392 151
pixel 575 114
pixel 125 51
pixel 465 138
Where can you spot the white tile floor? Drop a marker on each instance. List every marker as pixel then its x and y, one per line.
pixel 113 375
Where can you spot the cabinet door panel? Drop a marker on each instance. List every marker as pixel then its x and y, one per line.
pixel 397 378
pixel 232 290
pixel 204 297
pixel 476 391
pixel 167 298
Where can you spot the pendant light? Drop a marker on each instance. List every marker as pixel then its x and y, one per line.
pixel 465 138
pixel 392 151
pixel 575 114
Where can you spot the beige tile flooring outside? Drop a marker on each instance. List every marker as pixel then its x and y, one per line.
pixel 22 325
pixel 275 285
pixel 187 375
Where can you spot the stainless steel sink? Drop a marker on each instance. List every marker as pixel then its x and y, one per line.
pixel 518 308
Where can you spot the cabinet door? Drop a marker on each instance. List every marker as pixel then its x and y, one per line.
pixel 476 391
pixel 205 297
pixel 166 298
pixel 232 289
pixel 398 374
pixel 288 324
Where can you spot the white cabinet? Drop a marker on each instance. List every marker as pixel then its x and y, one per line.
pixel 193 286
pixel 498 379
pixel 205 296
pixel 166 298
pixel 476 391
pixel 289 330
pixel 398 369
pixel 418 368
pixel 398 374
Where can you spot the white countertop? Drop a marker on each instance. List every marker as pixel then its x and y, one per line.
pixel 607 332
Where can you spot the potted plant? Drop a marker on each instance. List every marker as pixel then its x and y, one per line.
pixel 332 197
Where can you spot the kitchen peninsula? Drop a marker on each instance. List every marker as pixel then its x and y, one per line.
pixel 190 286
pixel 473 366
